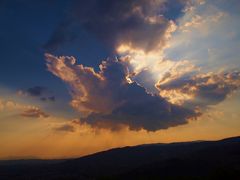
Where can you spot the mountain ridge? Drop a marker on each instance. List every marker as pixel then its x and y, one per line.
pixel 203 159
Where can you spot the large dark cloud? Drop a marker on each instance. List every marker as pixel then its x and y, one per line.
pixel 108 100
pixel 142 111
pixel 141 24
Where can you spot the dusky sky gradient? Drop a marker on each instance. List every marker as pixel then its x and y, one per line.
pixel 77 77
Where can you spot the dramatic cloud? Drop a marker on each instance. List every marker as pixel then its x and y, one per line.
pixel 147 87
pixel 109 100
pixel 138 24
pixel 34 113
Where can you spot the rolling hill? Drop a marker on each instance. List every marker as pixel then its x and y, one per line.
pixel 186 160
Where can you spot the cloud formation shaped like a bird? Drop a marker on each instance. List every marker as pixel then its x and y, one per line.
pixel 109 100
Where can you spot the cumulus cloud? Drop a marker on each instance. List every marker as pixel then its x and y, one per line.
pixel 139 24
pixel 109 100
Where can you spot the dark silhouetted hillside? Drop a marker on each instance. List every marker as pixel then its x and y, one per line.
pixel 188 160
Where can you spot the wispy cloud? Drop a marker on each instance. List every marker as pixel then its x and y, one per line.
pixel 65 128
pixel 34 113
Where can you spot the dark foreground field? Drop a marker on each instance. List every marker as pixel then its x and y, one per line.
pixel 188 160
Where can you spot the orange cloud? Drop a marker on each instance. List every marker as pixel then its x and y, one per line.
pixel 12 107
pixel 34 113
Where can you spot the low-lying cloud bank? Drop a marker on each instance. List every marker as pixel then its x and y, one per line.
pixel 34 113
pixel 19 109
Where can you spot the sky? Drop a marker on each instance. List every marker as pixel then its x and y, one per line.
pixel 78 77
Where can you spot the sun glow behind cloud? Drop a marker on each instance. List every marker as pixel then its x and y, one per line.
pixel 144 72
pixel 202 22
